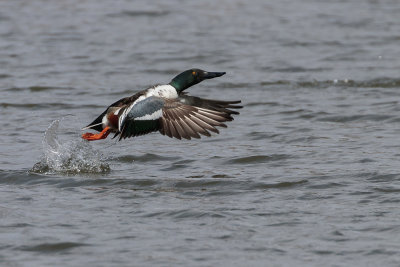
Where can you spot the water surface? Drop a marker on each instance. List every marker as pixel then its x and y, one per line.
pixel 307 175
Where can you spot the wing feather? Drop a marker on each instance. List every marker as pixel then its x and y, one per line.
pixel 185 121
pixel 174 118
pixel 191 132
pixel 173 130
pixel 197 126
pixel 205 125
pixel 209 104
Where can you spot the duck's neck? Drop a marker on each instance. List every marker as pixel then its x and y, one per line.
pixel 183 81
pixel 178 86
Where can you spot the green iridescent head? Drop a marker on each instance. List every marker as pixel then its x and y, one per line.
pixel 192 77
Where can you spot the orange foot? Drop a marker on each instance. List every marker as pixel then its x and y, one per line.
pixel 102 135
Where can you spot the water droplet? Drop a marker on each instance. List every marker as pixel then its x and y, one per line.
pixel 74 156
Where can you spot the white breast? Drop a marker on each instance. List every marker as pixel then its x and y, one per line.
pixel 164 90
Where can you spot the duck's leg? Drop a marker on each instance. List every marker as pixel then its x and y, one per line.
pixel 102 135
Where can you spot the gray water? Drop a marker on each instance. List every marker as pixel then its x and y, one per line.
pixel 307 175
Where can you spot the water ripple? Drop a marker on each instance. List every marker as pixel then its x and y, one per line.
pixel 148 157
pixel 51 247
pixel 139 13
pixel 258 159
pixel 349 118
pixel 280 185
pixel 373 83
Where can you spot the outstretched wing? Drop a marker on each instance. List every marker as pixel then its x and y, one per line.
pixel 188 116
pixel 175 118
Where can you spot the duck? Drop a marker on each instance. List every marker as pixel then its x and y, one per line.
pixel 165 108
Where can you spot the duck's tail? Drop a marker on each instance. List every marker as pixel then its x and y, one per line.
pixel 97 123
pixel 91 126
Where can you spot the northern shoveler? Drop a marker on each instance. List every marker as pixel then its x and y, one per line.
pixel 167 109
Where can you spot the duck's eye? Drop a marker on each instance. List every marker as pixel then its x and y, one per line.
pixel 194 73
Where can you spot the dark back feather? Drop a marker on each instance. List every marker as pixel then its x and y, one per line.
pixel 120 103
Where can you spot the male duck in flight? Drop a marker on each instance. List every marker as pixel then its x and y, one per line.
pixel 167 109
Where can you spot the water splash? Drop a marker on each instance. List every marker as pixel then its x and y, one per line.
pixel 70 157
